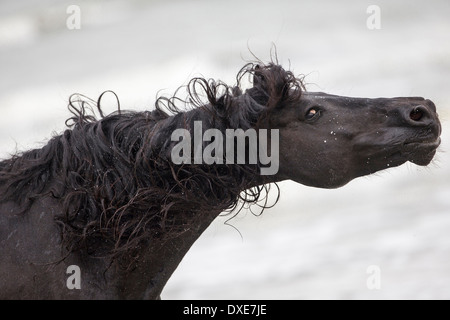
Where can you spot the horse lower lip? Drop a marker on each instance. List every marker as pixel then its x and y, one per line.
pixel 423 160
pixel 421 153
pixel 424 144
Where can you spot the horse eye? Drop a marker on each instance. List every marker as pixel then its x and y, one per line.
pixel 312 113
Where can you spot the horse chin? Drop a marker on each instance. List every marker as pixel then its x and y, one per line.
pixel 330 182
pixel 423 160
pixel 421 153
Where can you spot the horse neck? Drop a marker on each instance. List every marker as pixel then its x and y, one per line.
pixel 157 263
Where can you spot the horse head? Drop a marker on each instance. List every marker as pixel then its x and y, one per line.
pixel 327 140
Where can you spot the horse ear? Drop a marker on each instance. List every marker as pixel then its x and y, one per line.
pixel 259 90
pixel 258 79
pixel 272 85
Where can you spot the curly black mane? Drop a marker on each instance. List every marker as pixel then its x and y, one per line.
pixel 114 178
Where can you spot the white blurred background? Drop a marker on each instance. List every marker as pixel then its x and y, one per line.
pixel 314 243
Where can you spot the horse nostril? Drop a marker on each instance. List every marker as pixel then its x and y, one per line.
pixel 416 114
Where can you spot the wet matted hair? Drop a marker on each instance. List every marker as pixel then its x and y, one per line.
pixel 113 176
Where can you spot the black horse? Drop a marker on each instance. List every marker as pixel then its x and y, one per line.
pixel 104 210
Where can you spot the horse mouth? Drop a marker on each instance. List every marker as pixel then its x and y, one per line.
pixel 420 153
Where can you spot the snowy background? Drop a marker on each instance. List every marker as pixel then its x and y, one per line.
pixel 314 243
